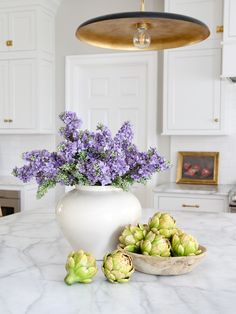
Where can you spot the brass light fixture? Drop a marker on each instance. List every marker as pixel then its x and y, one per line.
pixel 142 30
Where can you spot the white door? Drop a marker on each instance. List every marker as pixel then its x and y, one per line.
pixel 4 116
pixel 115 88
pixel 22 94
pixel 22 30
pixel 3 31
pixel 192 92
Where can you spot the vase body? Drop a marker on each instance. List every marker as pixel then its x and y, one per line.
pixel 92 217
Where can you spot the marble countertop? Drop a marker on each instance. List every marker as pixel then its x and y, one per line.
pixel 220 189
pixel 33 253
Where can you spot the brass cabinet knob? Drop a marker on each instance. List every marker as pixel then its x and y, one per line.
pixel 219 28
pixel 9 43
pixel 8 120
pixel 5 120
pixel 216 120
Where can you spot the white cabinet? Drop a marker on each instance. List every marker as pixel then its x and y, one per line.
pixel 193 92
pixel 187 197
pixel 22 30
pixel 22 94
pixel 194 202
pixel 207 11
pixel 27 66
pixel 229 39
pixel 193 95
pixel 18 30
pixel 3 93
pixel 17 94
pixel 3 31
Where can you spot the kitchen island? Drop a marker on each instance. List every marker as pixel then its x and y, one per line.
pixel 33 253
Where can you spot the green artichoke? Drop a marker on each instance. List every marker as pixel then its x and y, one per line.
pixel 163 224
pixel 81 267
pixel 117 266
pixel 184 244
pixel 131 237
pixel 155 245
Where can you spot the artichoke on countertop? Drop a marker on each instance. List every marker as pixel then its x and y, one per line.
pixel 117 266
pixel 184 244
pixel 81 267
pixel 163 224
pixel 155 244
pixel 131 237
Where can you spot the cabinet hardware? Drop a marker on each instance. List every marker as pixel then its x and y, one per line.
pixel 219 28
pixel 216 120
pixel 192 206
pixel 9 43
pixel 10 120
pixel 5 120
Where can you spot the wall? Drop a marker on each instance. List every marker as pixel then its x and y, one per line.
pixel 226 145
pixel 12 147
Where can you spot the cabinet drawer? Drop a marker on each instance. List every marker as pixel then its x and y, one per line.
pixel 165 203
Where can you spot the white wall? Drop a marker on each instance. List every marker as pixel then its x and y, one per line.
pixel 12 147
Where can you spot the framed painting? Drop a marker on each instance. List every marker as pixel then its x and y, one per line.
pixel 197 167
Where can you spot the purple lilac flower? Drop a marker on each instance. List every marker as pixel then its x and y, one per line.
pixel 90 158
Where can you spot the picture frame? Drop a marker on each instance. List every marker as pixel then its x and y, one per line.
pixel 197 168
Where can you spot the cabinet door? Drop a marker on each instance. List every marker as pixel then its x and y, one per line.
pixel 22 30
pixel 229 20
pixel 3 94
pixel 22 94
pixel 192 92
pixel 208 11
pixel 3 31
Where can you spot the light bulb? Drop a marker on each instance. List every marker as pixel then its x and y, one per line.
pixel 142 38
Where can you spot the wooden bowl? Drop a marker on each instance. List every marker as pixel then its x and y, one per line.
pixel 156 265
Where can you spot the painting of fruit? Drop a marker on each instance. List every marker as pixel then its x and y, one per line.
pixel 197 167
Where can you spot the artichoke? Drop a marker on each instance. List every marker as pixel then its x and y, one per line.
pixel 81 267
pixel 155 245
pixel 184 244
pixel 163 224
pixel 117 266
pixel 131 237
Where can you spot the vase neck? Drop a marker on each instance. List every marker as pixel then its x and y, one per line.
pixel 97 188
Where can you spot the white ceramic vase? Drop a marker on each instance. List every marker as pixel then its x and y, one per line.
pixel 92 217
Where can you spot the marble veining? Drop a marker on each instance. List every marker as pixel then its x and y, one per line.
pixel 221 189
pixel 33 253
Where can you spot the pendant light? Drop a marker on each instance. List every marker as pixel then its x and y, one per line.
pixel 142 30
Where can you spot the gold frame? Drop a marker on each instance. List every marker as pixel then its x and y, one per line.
pixel 180 158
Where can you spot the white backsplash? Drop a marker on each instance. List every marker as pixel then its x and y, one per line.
pixel 226 145
pixel 12 147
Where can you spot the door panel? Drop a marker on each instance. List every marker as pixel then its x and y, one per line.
pixel 4 82
pixel 22 30
pixel 22 93
pixel 112 94
pixel 194 89
pixel 3 31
